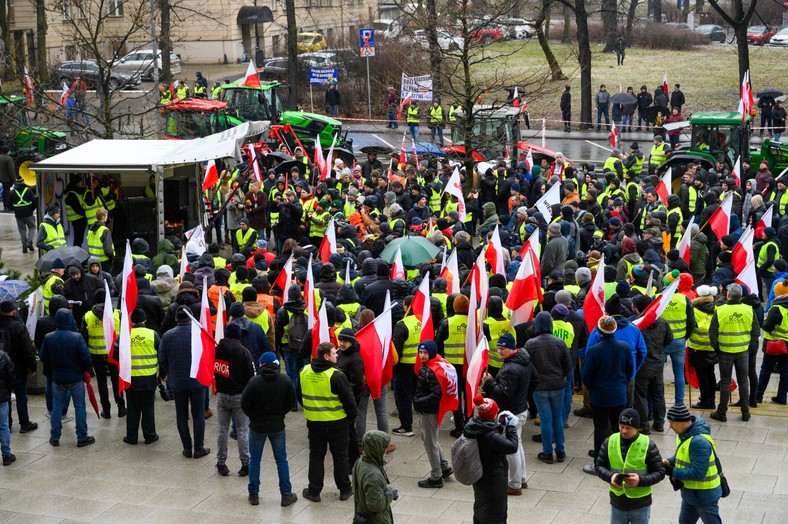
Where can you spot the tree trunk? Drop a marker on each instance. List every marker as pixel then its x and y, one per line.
pixel 292 53
pixel 5 29
pixel 555 67
pixel 742 49
pixel 609 23
pixel 165 42
pixel 633 5
pixel 584 59
pixel 42 72
pixel 739 22
pixel 435 50
pixel 657 4
pixel 567 38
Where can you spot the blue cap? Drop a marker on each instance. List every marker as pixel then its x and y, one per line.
pixel 268 358
pixel 507 341
pixel 430 347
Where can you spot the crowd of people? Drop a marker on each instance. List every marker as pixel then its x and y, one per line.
pixel 275 225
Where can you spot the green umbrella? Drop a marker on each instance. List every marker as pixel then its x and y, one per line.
pixel 415 250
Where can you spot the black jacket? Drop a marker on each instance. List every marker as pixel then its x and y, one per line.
pixel 551 360
pixel 427 396
pixel 351 364
pixel 83 291
pixel 656 472
pixel 234 367
pixel 656 336
pixel 186 297
pixel 15 340
pixel 266 399
pixel 511 386
pixel 340 386
pixel 7 376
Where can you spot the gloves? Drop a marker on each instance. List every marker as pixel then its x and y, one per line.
pixel 511 422
pixel 394 493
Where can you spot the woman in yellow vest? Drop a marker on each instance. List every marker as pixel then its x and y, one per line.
pixel 701 354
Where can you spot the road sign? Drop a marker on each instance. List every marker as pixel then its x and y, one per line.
pixel 366 41
pixel 322 76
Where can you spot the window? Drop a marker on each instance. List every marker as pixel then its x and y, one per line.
pixel 11 11
pixel 272 4
pixel 115 8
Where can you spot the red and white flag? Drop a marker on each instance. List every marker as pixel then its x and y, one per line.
pixel 251 79
pixel 321 330
pixel 720 221
pixel 347 272
pixel 221 309
pixel 397 267
pixel 183 264
pixel 529 161
pixel 408 99
pixel 594 304
pixel 128 301
pixel 746 99
pixel 203 344
pixel 108 322
pixel 664 186
pixel 742 252
pixel 447 378
pixel 211 176
pixel 319 160
pixel 524 293
pixel 472 329
pixel 476 367
pixel 29 87
pixel 494 253
pixel 657 307
pixel 64 96
pixel 452 274
pixel 415 155
pixel 550 198
pixel 533 244
pixel 328 164
pixel 285 277
pixel 482 284
pixel 254 162
pixel 665 88
pixel 613 139
pixel 736 173
pixel 328 246
pixel 309 296
pixel 375 342
pixel 403 156
pixel 422 309
pixel 749 278
pixel 765 221
pixel 454 188
pixel 685 242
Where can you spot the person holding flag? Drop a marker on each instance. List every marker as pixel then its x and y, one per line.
pixel 510 389
pixel 702 356
pixel 768 252
pixel 450 339
pixel 93 331
pixel 430 399
pixel 406 337
pixel 142 391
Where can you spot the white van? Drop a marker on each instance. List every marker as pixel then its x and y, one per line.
pixel 386 28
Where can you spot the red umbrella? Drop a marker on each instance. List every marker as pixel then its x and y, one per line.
pixel 91 393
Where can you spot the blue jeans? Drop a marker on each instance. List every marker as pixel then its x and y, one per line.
pixel 60 394
pixel 627 122
pixel 293 365
pixel 567 406
pixel 439 131
pixel 707 514
pixel 602 111
pixel 635 516
pixel 549 404
pixel 279 447
pixel 5 429
pixel 48 397
pixel 392 117
pixel 414 132
pixel 767 367
pixel 676 350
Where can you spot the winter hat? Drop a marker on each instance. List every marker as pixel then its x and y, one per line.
pixel 461 304
pixel 347 334
pixel 556 275
pixel 293 293
pixel 725 257
pixel 615 221
pixel 8 306
pixel 623 288
pixel 182 313
pixel 629 417
pixel 233 331
pixel 607 325
pixel 543 323
pixel 506 341
pixel 770 232
pixel 583 276
pixel 780 289
pixel 237 310
pixel 705 291
pixel 563 297
pixel 679 413
pixel 639 270
pixel 430 347
pixel 780 265
pixel 268 357
pixel 485 407
pixel 559 312
pixel 613 305
pixel 641 302
pixel 554 228
pixel 516 187
pixel 728 240
pixel 628 245
pixel 670 277
pixel 58 264
pixel 53 209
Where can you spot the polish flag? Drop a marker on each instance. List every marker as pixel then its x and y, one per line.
pixel 328 246
pixel 285 277
pixel 663 187
pixel 309 296
pixel 415 155
pixel 64 96
pixel 613 139
pixel 482 284
pixel 397 267
pixel 375 342
pixel 550 198
pixel 319 160
pixel 494 253
pixel 29 87
pixel 594 304
pixel 221 308
pixel 472 328
pixel 506 155
pixel 423 311
pixel 128 300
pixel 720 220
pixel 657 307
pixel 748 277
pixel 443 260
pixel 529 160
pixel 665 88
pixel 320 331
pixel 255 164
pixel 736 173
pixel 403 156
pixel 447 378
pixel 454 188
pixel 202 343
pixel 685 242
pixel 533 244
pixel 402 105
pixel 452 274
pixel 389 353
pixel 328 164
pixel 251 79
pixel 184 263
pixel 525 290
pixel 108 321
pixel 476 367
pixel 765 221
pixel 742 252
pixel 211 176
pixel 746 99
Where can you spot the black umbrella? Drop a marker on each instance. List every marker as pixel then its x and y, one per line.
pixel 285 167
pixel 68 254
pixel 282 157
pixel 769 91
pixel 624 98
pixel 377 149
pixel 650 113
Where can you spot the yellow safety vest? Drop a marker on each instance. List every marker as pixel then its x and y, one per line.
pixel 261 320
pixel 677 232
pixel 22 202
pixel 318 230
pixel 320 404
pixel 635 462
pixel 636 187
pixel 413 115
pixel 237 289
pixel 762 254
pixel 242 238
pixel 72 213
pixel 97 345
pixel 454 345
pixel 692 199
pixel 216 93
pixel 199 89
pixel 699 340
pixel 55 236
pixel 90 209
pixel 219 262
pixel 780 331
pixel 351 310
pixel 47 293
pixel 109 202
pixel 182 91
pixel 436 115
pixel 144 360
pixel 675 315
pixel 165 97
pixel 442 297
pixel 610 164
pixel 410 349
pixel 453 114
pixel 96 246
pixel 712 477
pixel 565 331
pixel 735 325
pixel 497 328
pixel 435 200
pixel 657 156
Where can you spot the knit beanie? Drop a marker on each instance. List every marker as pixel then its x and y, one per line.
pixel 679 413
pixel 607 325
pixel 670 277
pixel 461 304
pixel 485 407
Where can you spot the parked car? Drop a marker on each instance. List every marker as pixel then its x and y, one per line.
pixel 446 41
pixel 487 34
pixel 714 32
pixel 781 38
pixel 760 34
pixel 679 25
pixel 386 28
pixel 88 70
pixel 311 42
pixel 518 28
pixel 141 62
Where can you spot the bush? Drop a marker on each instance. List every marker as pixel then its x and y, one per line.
pixel 661 36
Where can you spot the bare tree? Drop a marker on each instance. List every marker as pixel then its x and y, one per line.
pixel 633 5
pixel 609 24
pixel 292 52
pixel 739 20
pixel 541 34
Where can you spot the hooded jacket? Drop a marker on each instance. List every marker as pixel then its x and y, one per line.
pixel 490 217
pixel 82 291
pixel 252 338
pixel 64 353
pixel 350 362
pixel 627 261
pixel 165 256
pixel 327 279
pixel 101 275
pixel 629 334
pixel 700 453
pixel 514 382
pixel 369 274
pixel 551 360
pixel 370 482
pixel 15 341
pixel 427 395
pixel 233 368
pixel 266 399
pixel 166 287
pixel 607 368
pixel 186 297
pixel 175 356
pixel 656 337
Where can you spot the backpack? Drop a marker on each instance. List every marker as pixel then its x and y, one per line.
pixel 465 460
pixel 296 330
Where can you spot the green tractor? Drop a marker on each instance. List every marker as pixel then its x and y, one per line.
pixel 264 103
pixel 28 144
pixel 719 135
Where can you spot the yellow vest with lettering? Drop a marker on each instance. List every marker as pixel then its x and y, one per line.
pixel 144 360
pixel 454 345
pixel 497 328
pixel 95 327
pixel 735 325
pixel 320 404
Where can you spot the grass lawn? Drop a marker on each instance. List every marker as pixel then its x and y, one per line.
pixel 708 75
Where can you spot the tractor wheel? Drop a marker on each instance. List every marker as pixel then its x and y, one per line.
pixel 23 162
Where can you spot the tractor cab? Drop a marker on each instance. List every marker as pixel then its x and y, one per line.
pixel 195 118
pixel 719 135
pixel 248 104
pixel 494 130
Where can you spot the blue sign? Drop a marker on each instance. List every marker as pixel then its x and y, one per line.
pixel 366 41
pixel 322 77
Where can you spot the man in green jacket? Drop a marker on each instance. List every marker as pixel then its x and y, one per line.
pixel 371 491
